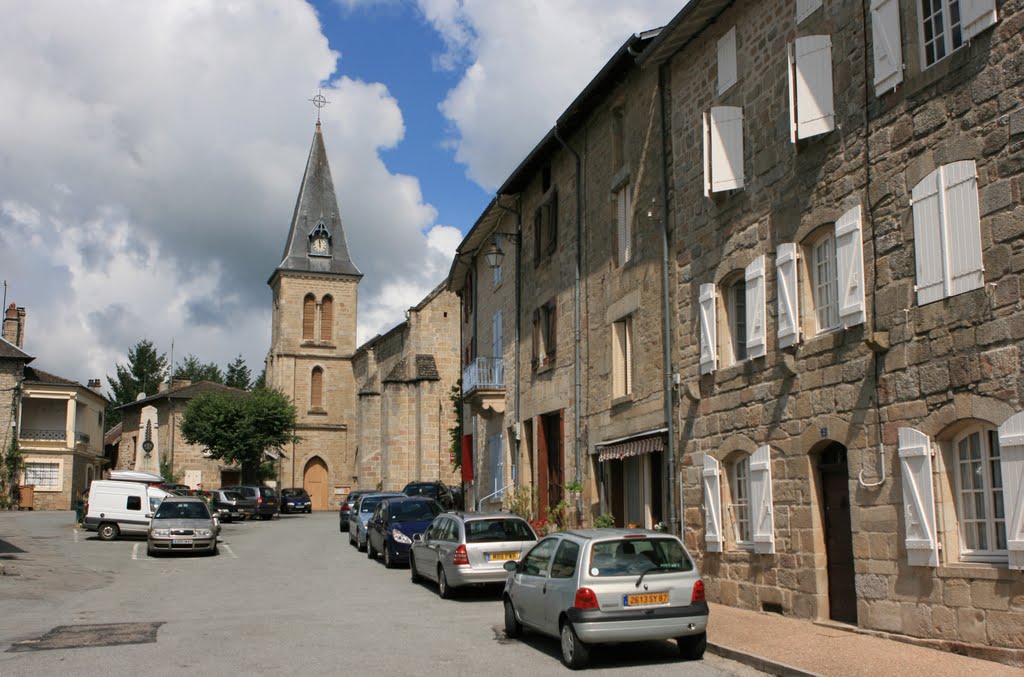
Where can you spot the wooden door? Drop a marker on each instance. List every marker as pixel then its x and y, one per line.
pixel 314 481
pixel 835 490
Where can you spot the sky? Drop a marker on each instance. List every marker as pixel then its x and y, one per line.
pixel 151 152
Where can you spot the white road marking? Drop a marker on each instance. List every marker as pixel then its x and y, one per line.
pixel 75 532
pixel 230 551
pixel 135 551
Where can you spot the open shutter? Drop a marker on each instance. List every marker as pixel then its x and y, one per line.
pixel 624 223
pixel 963 227
pixel 708 333
pixel 706 146
pixel 761 500
pixel 755 303
pixel 1011 466
pixel 976 16
pixel 551 341
pixel 928 239
pixel 628 329
pixel 812 109
pixel 788 293
pixel 727 71
pixel 712 504
pixel 535 353
pixel 850 261
pixel 804 8
pixel 918 498
pixel 724 148
pixel 886 45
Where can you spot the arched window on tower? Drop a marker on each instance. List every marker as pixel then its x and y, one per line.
pixel 308 317
pixel 316 385
pixel 327 318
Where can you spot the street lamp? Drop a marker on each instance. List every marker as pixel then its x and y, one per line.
pixel 494 255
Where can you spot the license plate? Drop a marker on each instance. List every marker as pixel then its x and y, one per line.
pixel 501 556
pixel 181 541
pixel 645 599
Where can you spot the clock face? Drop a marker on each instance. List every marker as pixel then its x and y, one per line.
pixel 319 246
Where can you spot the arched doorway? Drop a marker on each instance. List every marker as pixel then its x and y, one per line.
pixel 314 481
pixel 835 502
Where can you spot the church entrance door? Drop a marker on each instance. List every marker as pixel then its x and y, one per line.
pixel 314 481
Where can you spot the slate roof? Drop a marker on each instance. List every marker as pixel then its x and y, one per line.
pixel 186 393
pixel 316 204
pixel 33 375
pixel 11 351
pixel 422 368
pixel 112 435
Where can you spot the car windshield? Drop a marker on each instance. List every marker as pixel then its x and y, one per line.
pixel 233 496
pixel 483 531
pixel 353 497
pixel 414 511
pixel 293 493
pixel 630 556
pixel 429 490
pixel 182 510
pixel 369 503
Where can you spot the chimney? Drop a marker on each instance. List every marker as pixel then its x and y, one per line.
pixel 95 385
pixel 14 326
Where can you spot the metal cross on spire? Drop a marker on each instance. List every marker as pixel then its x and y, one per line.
pixel 319 101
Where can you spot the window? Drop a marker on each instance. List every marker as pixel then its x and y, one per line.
pixel 496 275
pixel 544 335
pixel 45 476
pixel 327 319
pixel 824 284
pixel 723 149
pixel 622 357
pixel 536 561
pixel 979 497
pixel 316 384
pixel 545 227
pixel 497 345
pixel 308 317
pixel 496 456
pixel 134 503
pixel 940 29
pixel 727 61
pixel 740 508
pixel 811 105
pixel 736 315
pixel 623 198
pixel 564 563
pixel 947 232
pixel 467 297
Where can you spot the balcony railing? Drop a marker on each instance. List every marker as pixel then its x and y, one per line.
pixel 43 434
pixel 484 373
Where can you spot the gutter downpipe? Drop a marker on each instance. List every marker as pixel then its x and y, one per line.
pixel 667 325
pixel 576 316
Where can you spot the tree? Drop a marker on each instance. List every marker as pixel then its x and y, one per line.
pixel 455 432
pixel 238 375
pixel 193 370
pixel 240 428
pixel 261 380
pixel 145 370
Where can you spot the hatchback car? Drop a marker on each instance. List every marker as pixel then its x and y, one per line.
pixel 438 491
pixel 231 506
pixel 393 525
pixel 607 585
pixel 460 549
pixel 360 515
pixel 295 499
pixel 182 524
pixel 347 505
pixel 264 497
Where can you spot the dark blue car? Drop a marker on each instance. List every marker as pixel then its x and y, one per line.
pixel 295 500
pixel 394 523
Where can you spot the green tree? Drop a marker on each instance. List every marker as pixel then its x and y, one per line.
pixel 238 375
pixel 193 370
pixel 261 380
pixel 239 429
pixel 145 370
pixel 455 432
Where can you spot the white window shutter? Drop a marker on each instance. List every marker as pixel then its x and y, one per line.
pixel 628 354
pixel 804 8
pixel 886 45
pixel 929 252
pixel 707 155
pixel 712 504
pixel 963 227
pixel 624 222
pixel 762 512
pixel 918 498
pixel 755 303
pixel 850 262
pixel 708 330
pixel 1011 462
pixel 976 16
pixel 725 148
pixel 788 294
pixel 812 106
pixel 727 71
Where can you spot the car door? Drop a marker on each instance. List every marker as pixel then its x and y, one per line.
pixel 562 583
pixel 374 528
pixel 448 541
pixel 529 583
pixel 426 552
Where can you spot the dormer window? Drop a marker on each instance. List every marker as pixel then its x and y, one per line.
pixel 320 241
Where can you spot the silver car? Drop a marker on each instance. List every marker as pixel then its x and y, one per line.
pixel 182 524
pixel 607 585
pixel 461 549
pixel 360 515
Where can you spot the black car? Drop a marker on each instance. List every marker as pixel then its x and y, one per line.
pixel 265 498
pixel 230 506
pixel 295 499
pixel 394 523
pixel 438 491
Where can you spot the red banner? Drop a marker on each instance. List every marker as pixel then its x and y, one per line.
pixel 467 458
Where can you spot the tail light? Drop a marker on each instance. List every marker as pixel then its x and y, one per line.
pixel 259 500
pixel 698 592
pixel 461 557
pixel 345 506
pixel 585 599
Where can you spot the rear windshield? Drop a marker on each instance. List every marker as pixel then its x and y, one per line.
pixel 370 503
pixel 266 492
pixel 484 531
pixel 191 510
pixel 630 556
pixel 351 498
pixel 233 496
pixel 414 511
pixel 429 490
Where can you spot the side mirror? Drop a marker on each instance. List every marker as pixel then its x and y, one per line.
pixel 417 538
pixel 510 565
pixel 149 515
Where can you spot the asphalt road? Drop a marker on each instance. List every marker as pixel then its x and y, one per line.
pixel 285 597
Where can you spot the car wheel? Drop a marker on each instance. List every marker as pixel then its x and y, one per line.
pixel 575 654
pixel 214 550
pixel 350 541
pixel 370 552
pixel 513 628
pixel 360 545
pixel 309 510
pixel 414 575
pixel 692 647
pixel 388 562
pixel 150 552
pixel 108 531
pixel 443 589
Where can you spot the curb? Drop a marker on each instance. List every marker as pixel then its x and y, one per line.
pixel 759 662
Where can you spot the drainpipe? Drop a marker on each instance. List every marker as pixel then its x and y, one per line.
pixel 576 314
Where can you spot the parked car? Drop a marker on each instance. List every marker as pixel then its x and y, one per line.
pixel 231 506
pixel 393 525
pixel 460 549
pixel 264 497
pixel 175 488
pixel 458 497
pixel 360 515
pixel 182 524
pixel 295 499
pixel 347 505
pixel 438 491
pixel 118 507
pixel 607 585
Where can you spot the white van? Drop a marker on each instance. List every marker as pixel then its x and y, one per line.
pixel 116 507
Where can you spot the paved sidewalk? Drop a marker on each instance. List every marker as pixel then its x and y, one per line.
pixel 795 648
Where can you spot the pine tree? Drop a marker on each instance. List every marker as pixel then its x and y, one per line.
pixel 238 375
pixel 145 370
pixel 193 370
pixel 261 380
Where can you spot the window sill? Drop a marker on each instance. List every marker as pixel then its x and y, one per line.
pixel 622 399
pixel 306 343
pixel 317 411
pixel 620 179
pixel 978 571
pixel 547 366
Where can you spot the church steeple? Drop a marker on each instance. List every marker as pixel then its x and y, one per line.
pixel 316 241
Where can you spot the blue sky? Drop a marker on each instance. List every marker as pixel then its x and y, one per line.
pixel 151 152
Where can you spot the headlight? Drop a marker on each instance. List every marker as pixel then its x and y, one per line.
pixel 203 533
pixel 400 537
pixel 160 533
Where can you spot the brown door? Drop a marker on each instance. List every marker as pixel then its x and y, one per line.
pixel 542 468
pixel 835 489
pixel 314 481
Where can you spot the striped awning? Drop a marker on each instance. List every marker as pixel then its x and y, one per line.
pixel 634 445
